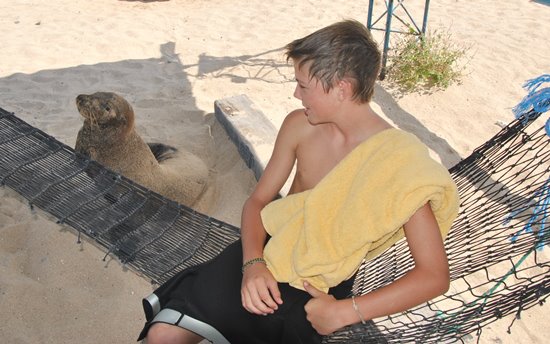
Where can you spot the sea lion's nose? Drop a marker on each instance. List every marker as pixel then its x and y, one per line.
pixel 81 100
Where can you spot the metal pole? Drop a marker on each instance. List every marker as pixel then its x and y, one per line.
pixel 425 20
pixel 369 18
pixel 386 39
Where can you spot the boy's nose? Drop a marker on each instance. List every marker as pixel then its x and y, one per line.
pixel 297 94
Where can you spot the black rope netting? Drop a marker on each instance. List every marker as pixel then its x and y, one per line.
pixel 495 247
pixel 152 234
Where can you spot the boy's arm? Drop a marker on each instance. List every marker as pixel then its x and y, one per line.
pixel 428 279
pixel 259 290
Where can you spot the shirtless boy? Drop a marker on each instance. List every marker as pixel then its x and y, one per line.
pixel 335 69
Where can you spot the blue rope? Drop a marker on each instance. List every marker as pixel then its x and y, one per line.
pixel 532 84
pixel 540 212
pixel 538 100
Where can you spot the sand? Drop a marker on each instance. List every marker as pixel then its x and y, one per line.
pixel 172 60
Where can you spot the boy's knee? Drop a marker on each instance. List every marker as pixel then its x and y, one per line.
pixel 160 333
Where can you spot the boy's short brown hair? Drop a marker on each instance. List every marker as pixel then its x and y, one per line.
pixel 342 50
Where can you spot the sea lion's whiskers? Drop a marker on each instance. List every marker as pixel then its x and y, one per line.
pixel 93 119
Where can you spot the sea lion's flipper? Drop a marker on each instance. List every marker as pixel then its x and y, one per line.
pixel 162 151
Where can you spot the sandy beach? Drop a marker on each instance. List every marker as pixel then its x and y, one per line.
pixel 171 60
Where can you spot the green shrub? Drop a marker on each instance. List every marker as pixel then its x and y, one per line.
pixel 426 61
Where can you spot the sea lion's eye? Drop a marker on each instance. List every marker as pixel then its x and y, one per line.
pixel 107 109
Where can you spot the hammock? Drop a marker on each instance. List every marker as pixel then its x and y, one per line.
pixel 495 248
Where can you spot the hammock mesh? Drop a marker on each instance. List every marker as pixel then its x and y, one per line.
pixel 495 247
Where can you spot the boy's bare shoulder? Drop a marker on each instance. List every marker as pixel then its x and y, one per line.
pixel 294 129
pixel 296 115
pixel 295 121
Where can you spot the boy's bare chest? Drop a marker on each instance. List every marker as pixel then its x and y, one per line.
pixel 315 161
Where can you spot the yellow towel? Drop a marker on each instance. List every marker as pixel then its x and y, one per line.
pixel 357 210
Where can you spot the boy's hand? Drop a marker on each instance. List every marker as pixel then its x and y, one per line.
pixel 259 290
pixel 318 310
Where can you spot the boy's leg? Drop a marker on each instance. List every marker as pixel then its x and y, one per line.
pixel 160 333
pixel 211 294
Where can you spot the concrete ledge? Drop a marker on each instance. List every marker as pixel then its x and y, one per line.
pixel 250 130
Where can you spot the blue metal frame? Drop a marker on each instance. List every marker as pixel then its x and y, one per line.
pixel 389 14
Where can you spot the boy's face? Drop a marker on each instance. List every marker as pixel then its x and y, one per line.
pixel 319 105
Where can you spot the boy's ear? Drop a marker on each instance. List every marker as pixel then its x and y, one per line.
pixel 345 89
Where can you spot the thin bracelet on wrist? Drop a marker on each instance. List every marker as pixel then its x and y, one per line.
pixel 251 262
pixel 357 310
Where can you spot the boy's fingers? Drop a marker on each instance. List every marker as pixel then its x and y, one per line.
pixel 253 302
pixel 247 303
pixel 275 293
pixel 265 297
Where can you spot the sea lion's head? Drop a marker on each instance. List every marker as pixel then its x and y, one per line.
pixel 106 111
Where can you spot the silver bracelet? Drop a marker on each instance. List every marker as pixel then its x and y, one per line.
pixel 357 310
pixel 252 261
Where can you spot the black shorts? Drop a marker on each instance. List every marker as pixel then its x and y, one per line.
pixel 211 293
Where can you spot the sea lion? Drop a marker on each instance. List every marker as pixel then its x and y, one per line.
pixel 109 136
